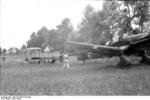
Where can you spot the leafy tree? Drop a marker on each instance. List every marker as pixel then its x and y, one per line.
pixel 10 50
pixel 137 10
pixel 93 29
pixel 36 40
pixel 17 51
pixel 13 50
pixel 23 48
pixel 122 14
pixel 115 18
pixel 85 27
pixel 131 11
pixel 30 43
pixel 54 38
pixel 63 31
pixel 4 51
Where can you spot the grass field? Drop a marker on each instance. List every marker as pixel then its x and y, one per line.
pixel 101 77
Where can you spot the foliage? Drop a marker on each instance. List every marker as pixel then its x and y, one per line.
pixel 117 17
pixel 13 50
pixel 136 12
pixel 4 51
pixel 54 38
pixel 36 40
pixel 92 28
pixel 63 31
pixel 23 47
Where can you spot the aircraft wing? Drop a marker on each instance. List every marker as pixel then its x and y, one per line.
pixel 98 49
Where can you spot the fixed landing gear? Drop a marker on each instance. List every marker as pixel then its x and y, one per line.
pixel 145 57
pixel 124 63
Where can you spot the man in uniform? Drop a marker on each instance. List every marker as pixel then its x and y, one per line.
pixel 65 60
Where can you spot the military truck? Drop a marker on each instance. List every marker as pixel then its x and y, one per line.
pixel 36 55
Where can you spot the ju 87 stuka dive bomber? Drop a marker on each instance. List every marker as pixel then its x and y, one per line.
pixel 138 45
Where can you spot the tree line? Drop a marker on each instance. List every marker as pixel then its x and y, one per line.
pixel 116 17
pixel 54 38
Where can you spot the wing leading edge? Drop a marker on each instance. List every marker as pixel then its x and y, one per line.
pixel 100 50
pixel 94 46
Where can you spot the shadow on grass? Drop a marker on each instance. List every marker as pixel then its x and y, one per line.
pixel 118 67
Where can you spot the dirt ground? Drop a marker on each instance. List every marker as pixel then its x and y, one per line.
pixel 96 77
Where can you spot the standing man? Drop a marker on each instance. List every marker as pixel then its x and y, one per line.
pixel 65 60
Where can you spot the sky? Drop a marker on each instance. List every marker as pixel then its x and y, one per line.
pixel 19 18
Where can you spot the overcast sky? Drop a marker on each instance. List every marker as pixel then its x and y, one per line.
pixel 19 18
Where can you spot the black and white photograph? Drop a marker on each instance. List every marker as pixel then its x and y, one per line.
pixel 74 48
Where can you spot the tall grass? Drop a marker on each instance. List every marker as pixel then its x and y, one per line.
pixel 19 78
